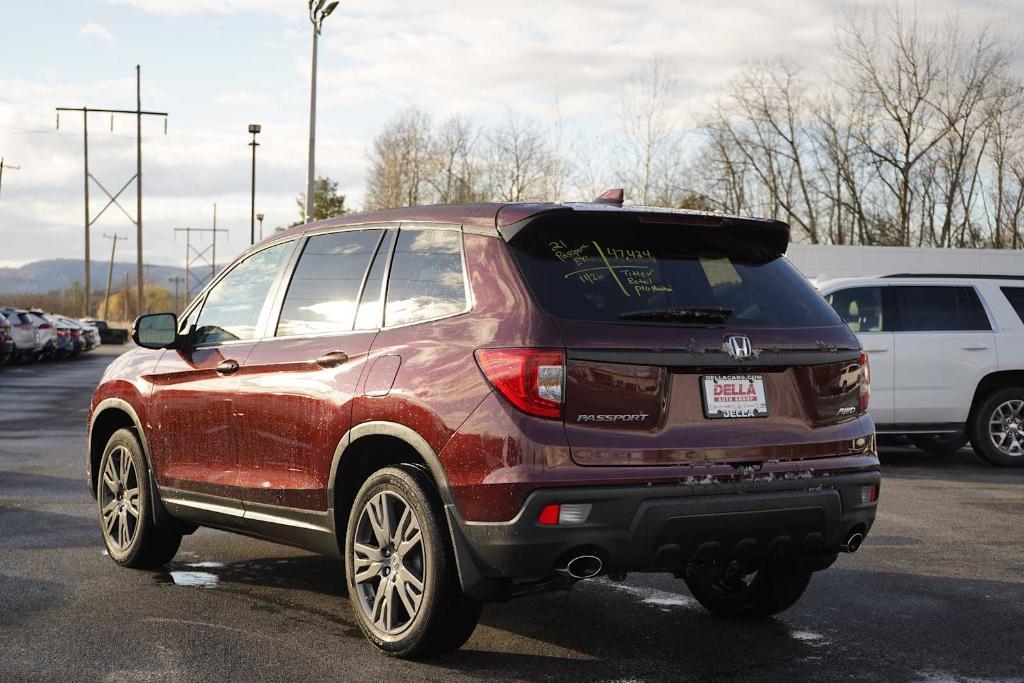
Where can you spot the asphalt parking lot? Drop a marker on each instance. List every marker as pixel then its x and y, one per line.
pixel 936 593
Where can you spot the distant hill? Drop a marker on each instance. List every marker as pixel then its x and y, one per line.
pixel 44 276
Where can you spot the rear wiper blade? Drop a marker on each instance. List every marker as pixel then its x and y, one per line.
pixel 688 314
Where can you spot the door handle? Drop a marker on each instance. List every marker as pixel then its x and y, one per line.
pixel 974 348
pixel 227 367
pixel 332 359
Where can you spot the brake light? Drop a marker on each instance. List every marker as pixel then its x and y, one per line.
pixel 44 326
pixel 865 383
pixel 74 333
pixel 62 333
pixel 532 379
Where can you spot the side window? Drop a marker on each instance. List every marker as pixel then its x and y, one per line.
pixel 860 308
pixel 1015 295
pixel 371 306
pixel 233 307
pixel 935 309
pixel 324 290
pixel 426 280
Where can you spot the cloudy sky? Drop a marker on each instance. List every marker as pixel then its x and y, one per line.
pixel 218 65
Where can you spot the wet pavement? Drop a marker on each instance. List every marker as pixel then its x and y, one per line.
pixel 936 593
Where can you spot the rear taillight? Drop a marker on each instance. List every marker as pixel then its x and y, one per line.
pixel 44 326
pixel 62 333
pixel 74 333
pixel 532 379
pixel 865 383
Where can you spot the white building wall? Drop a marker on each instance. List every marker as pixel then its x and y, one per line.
pixel 835 261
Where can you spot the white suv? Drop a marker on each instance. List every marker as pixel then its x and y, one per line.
pixel 947 358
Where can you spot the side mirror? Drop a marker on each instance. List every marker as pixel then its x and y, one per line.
pixel 156 331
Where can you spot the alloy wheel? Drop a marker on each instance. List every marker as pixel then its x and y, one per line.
pixel 119 499
pixel 388 562
pixel 1006 427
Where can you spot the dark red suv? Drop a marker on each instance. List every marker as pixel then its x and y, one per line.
pixel 471 403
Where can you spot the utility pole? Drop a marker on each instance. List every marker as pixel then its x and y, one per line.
pixel 110 271
pixel 3 165
pixel 137 221
pixel 194 256
pixel 127 288
pixel 317 13
pixel 177 280
pixel 254 128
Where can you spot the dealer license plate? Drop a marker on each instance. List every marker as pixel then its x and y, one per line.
pixel 734 396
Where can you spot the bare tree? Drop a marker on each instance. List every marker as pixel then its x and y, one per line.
pixel 650 155
pixel 455 171
pixel 399 162
pixel 1005 153
pixel 517 161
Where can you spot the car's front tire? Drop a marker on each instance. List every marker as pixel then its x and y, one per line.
pixel 401 573
pixel 125 507
pixel 997 428
pixel 768 591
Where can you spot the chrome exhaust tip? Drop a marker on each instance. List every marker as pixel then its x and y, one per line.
pixel 852 543
pixel 583 567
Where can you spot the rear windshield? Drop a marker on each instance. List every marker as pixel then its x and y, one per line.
pixel 663 274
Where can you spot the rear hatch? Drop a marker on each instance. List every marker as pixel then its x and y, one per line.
pixel 689 341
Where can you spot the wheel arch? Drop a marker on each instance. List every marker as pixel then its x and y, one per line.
pixel 992 382
pixel 109 416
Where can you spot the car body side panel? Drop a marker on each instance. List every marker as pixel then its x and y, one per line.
pixel 291 415
pixel 438 383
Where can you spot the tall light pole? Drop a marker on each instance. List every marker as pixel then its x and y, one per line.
pixel 254 128
pixel 259 217
pixel 317 13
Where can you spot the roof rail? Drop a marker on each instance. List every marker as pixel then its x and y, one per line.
pixel 958 276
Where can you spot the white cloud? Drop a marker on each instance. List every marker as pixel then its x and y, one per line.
pixel 98 31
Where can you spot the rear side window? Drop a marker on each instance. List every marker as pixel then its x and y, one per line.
pixel 426 280
pixel 935 309
pixel 1015 295
pixel 860 308
pixel 324 290
pixel 599 271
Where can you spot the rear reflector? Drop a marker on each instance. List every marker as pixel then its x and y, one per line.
pixel 564 513
pixel 532 379
pixel 549 515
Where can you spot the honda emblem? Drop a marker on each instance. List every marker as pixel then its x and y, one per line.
pixel 738 347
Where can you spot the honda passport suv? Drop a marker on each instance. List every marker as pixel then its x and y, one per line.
pixel 472 403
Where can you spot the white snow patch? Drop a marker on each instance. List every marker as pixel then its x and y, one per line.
pixel 195 579
pixel 810 637
pixel 652 596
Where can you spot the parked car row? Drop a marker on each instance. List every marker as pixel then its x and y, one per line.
pixel 29 335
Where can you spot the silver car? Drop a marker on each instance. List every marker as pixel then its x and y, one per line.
pixel 24 333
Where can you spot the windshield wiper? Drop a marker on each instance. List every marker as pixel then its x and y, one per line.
pixel 690 314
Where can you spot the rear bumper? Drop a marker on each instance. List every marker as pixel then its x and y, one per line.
pixel 664 528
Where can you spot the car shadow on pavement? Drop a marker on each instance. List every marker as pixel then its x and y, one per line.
pixel 897 626
pixel 962 466
pixel 23 528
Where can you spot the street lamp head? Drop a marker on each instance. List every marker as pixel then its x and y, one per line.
pixel 329 9
pixel 254 128
pixel 259 216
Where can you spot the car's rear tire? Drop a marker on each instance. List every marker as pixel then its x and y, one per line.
pixel 940 444
pixel 401 574
pixel 125 508
pixel 997 428
pixel 770 590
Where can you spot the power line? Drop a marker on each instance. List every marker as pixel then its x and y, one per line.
pixel 137 221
